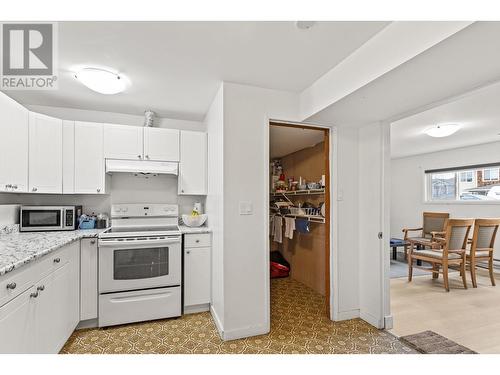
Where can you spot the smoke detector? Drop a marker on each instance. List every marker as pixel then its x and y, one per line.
pixel 305 25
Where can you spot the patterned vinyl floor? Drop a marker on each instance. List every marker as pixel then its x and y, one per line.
pixel 298 325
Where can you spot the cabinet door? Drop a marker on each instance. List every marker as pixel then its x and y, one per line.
pixel 89 158
pixel 196 276
pixel 88 279
pixel 123 142
pixel 161 144
pixel 45 154
pixel 193 164
pixel 58 307
pixel 17 324
pixel 14 125
pixel 68 163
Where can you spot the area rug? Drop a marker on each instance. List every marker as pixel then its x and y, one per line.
pixel 429 342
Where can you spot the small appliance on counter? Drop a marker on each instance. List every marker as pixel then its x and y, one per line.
pixel 49 218
pixel 196 219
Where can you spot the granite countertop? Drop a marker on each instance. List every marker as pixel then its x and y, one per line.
pixel 187 230
pixel 18 249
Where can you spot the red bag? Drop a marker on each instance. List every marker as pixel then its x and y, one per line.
pixel 279 270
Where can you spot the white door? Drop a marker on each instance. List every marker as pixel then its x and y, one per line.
pixel 373 223
pixel 89 158
pixel 45 154
pixel 17 324
pixel 196 276
pixel 161 144
pixel 88 279
pixel 14 125
pixel 68 162
pixel 123 142
pixel 193 163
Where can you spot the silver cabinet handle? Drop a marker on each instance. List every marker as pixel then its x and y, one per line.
pixel 34 295
pixel 57 260
pixel 92 242
pixel 139 156
pixel 197 241
pixel 34 189
pixel 98 190
pixel 14 186
pixel 188 251
pixel 182 191
pixel 8 186
pixel 40 288
pixel 147 156
pixel 11 286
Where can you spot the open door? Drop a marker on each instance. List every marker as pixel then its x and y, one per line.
pixel 374 163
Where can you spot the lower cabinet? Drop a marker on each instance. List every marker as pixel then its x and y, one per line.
pixel 41 319
pixel 89 294
pixel 197 272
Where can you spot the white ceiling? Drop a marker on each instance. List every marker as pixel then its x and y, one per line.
pixel 284 140
pixel 466 60
pixel 477 113
pixel 176 67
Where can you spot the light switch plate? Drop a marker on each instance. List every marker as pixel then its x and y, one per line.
pixel 246 208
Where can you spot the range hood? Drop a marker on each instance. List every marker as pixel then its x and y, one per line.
pixel 141 166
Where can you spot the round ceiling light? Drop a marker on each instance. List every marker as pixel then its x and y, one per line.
pixel 443 130
pixel 101 81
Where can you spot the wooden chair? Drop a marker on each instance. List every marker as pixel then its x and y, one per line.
pixel 433 222
pixel 483 241
pixel 446 251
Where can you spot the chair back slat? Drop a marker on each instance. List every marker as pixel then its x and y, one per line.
pixel 485 231
pixel 434 222
pixel 457 233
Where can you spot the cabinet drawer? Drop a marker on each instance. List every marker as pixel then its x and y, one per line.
pixel 197 240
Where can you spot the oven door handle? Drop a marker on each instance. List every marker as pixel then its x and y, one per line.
pixel 135 243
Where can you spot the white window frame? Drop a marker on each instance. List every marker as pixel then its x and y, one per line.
pixel 491 179
pixel 466 174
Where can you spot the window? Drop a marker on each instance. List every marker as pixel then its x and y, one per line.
pixel 471 183
pixel 491 174
pixel 467 176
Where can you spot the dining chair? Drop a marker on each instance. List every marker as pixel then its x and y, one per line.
pixel 449 250
pixel 481 249
pixel 432 223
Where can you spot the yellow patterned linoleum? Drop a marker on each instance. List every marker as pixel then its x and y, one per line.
pixel 298 325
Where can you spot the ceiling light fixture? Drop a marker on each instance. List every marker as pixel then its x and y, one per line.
pixel 443 130
pixel 101 81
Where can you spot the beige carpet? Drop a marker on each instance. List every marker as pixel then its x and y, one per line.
pixel 298 325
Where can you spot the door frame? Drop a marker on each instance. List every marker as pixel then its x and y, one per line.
pixel 333 185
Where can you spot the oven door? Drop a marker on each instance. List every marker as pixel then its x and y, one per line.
pixel 139 263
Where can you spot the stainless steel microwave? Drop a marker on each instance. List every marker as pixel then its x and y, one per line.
pixel 48 218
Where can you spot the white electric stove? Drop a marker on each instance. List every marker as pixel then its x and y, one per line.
pixel 140 264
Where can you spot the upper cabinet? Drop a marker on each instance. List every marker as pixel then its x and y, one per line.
pixel 89 158
pixel 193 163
pixel 161 144
pixel 123 142
pixel 45 154
pixel 68 162
pixel 14 125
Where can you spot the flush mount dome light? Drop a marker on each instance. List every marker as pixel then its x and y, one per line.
pixel 101 81
pixel 443 130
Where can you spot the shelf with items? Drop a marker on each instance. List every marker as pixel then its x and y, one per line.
pixel 299 192
pixel 312 218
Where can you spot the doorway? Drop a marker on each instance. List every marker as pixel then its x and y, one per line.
pixel 299 214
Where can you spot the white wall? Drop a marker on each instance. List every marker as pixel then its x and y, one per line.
pixel 214 122
pixel 113 117
pixel 407 187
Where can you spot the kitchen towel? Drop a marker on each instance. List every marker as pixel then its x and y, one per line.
pixel 302 225
pixel 289 227
pixel 278 233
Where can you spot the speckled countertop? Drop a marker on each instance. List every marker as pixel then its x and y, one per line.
pixel 186 230
pixel 18 249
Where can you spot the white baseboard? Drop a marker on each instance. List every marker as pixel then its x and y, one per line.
pixel 241 333
pixel 388 322
pixel 196 308
pixel 218 323
pixel 346 315
pixel 84 324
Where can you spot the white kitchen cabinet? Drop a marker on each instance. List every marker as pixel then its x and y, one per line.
pixel 17 324
pixel 89 294
pixel 193 163
pixel 45 154
pixel 123 142
pixel 161 144
pixel 14 129
pixel 42 317
pixel 89 158
pixel 197 275
pixel 68 155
